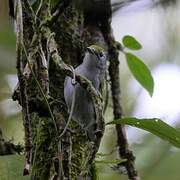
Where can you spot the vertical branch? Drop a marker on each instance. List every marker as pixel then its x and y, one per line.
pixel 124 151
pixel 113 51
pixel 23 87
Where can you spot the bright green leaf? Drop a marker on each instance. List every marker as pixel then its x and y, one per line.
pixel 154 126
pixel 141 72
pixel 131 43
pixel 11 167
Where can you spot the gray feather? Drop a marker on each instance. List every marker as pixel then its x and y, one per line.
pixel 93 69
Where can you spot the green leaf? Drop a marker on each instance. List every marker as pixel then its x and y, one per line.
pixel 131 43
pixel 154 126
pixel 11 167
pixel 141 72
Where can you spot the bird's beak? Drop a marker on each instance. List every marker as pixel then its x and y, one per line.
pixel 90 50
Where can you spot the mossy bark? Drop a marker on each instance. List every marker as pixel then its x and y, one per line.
pixel 68 22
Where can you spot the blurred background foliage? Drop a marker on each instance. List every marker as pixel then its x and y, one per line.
pixel 10 119
pixel 158 30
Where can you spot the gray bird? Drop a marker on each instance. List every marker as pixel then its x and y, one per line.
pixel 93 68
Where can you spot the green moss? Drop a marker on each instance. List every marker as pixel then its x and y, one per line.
pixel 44 147
pixel 81 157
pixel 76 147
pixel 68 35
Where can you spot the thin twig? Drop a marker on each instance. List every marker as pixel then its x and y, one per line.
pixel 60 169
pixel 122 142
pixel 36 14
pixel 23 88
pixel 72 104
pixel 36 146
pixel 106 93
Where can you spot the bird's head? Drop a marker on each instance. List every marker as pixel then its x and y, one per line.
pixel 95 57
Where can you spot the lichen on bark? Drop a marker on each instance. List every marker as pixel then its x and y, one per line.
pixel 70 157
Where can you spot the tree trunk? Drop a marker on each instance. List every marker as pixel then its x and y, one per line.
pixel 66 27
pixel 50 34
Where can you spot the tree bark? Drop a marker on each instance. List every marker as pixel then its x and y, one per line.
pixel 50 36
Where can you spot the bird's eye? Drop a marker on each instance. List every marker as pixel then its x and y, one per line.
pixel 101 54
